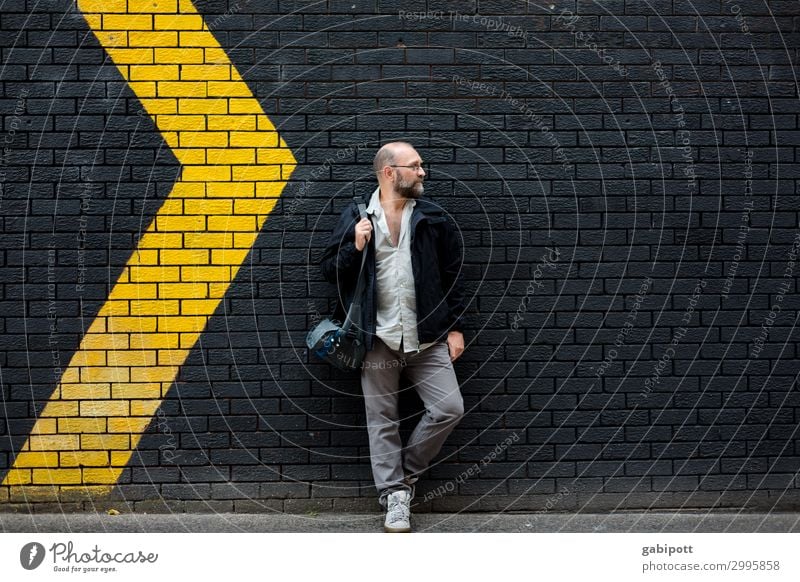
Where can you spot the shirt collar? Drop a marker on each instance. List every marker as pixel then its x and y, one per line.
pixel 375 207
pixel 375 201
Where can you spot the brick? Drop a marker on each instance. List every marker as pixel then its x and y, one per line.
pixel 181 122
pixel 182 290
pixel 207 273
pixel 62 408
pixel 228 256
pixel 232 122
pixel 83 458
pixel 155 6
pixel 228 88
pixel 40 459
pixel 18 477
pixel 154 341
pixel 185 257
pixel 125 291
pixel 220 72
pixel 81 425
pixel 206 173
pixel 178 22
pixel 153 72
pixel 143 274
pixel 152 39
pixel 45 426
pixel 134 56
pixel 232 190
pixel 127 22
pixel 132 358
pixel 104 442
pixel 107 374
pixel 100 6
pixel 133 424
pixel 230 223
pixel 56 477
pixel 136 390
pixel 105 475
pixel 104 408
pixel 153 374
pixel 243 106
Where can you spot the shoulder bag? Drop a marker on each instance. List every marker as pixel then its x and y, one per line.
pixel 337 343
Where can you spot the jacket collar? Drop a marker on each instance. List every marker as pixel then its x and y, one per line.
pixel 375 202
pixel 421 207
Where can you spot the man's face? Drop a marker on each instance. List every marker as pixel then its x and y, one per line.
pixel 408 180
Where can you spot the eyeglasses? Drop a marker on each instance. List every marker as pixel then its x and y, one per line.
pixel 415 167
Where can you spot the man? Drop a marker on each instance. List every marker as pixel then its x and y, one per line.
pixel 412 319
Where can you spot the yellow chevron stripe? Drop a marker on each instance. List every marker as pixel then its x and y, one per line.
pixel 234 168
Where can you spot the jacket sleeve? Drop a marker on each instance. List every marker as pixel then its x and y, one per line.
pixel 450 264
pixel 340 260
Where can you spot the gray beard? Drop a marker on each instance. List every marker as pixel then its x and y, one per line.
pixel 410 190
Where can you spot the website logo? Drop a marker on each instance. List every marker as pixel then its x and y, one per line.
pixel 31 555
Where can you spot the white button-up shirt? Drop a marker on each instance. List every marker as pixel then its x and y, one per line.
pixel 396 296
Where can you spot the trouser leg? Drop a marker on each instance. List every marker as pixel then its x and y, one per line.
pixel 380 379
pixel 433 377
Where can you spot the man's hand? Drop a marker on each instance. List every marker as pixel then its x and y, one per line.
pixel 455 341
pixel 363 233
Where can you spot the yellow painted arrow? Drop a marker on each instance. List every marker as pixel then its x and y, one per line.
pixel 234 166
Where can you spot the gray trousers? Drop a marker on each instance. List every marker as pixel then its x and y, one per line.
pixel 431 374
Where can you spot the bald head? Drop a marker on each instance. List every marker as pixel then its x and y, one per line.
pixel 389 153
pixel 395 165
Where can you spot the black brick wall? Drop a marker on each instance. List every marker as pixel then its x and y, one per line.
pixel 534 141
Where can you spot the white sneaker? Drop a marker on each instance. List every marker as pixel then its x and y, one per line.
pixel 398 512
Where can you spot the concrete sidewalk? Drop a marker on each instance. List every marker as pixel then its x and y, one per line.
pixel 622 522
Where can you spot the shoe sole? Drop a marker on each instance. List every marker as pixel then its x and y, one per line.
pixel 388 529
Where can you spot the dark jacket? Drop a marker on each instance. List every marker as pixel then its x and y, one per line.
pixel 436 260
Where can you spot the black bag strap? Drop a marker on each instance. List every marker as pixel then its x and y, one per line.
pixel 354 313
